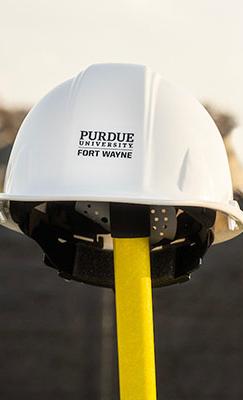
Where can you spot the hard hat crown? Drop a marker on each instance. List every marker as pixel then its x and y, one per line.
pixel 119 131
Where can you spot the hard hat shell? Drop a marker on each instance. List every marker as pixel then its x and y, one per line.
pixel 121 133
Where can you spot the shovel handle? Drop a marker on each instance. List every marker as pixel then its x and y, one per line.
pixel 134 315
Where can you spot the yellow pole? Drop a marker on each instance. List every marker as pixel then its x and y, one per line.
pixel 134 315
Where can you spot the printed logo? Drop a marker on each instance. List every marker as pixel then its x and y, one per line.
pixel 106 144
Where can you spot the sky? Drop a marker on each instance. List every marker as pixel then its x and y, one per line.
pixel 197 44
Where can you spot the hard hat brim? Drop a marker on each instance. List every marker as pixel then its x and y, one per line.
pixel 232 213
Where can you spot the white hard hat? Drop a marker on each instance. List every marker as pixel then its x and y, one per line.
pixel 119 133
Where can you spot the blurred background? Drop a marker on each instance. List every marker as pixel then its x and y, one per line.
pixel 57 339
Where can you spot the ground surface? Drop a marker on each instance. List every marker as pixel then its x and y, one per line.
pixel 57 339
